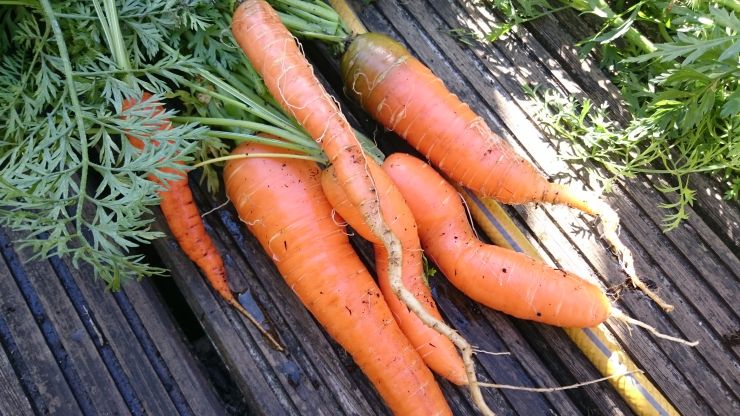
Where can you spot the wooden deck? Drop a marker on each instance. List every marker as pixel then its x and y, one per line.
pixel 69 347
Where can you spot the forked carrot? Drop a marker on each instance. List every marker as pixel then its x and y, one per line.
pixel 186 225
pixel 406 97
pixel 284 207
pixel 501 279
pixel 436 350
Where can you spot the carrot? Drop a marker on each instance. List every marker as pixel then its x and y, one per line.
pixel 284 207
pixel 289 78
pixel 185 223
pixel 436 350
pixel 406 97
pixel 501 279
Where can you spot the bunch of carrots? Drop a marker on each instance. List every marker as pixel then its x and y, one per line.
pixel 403 206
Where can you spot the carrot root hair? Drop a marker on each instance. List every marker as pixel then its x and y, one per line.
pixel 618 314
pixel 551 389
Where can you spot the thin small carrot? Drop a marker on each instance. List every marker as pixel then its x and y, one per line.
pixel 185 223
pixel 436 350
pixel 406 97
pixel 502 279
pixel 284 207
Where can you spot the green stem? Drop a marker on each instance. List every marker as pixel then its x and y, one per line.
pixel 247 102
pixel 730 4
pixel 254 110
pixel 313 19
pixel 67 65
pixel 294 22
pixel 305 29
pixel 119 48
pixel 321 36
pixel 242 137
pixel 256 155
pixel 602 9
pixel 315 9
pixel 250 125
pixel 235 86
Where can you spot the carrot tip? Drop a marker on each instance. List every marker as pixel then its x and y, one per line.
pixel 618 314
pixel 610 233
pixel 236 305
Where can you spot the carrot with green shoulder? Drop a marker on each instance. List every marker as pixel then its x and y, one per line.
pixel 406 97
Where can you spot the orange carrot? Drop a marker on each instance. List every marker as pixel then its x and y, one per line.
pixel 436 350
pixel 502 279
pixel 288 76
pixel 284 207
pixel 406 97
pixel 186 225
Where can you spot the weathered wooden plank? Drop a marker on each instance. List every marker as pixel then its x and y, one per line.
pixel 82 345
pixel 172 347
pixel 13 400
pixel 29 330
pixel 126 353
pixel 74 338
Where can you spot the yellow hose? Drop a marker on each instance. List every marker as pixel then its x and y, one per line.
pixel 597 344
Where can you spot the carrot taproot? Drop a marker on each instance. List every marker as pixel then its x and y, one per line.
pixel 284 207
pixel 501 279
pixel 437 351
pixel 406 97
pixel 184 221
